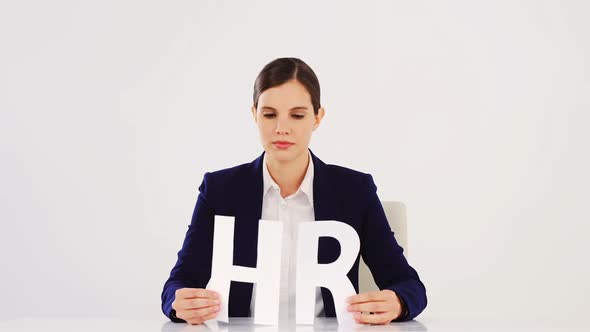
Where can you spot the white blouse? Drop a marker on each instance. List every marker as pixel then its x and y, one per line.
pixel 290 210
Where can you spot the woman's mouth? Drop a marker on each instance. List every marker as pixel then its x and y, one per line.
pixel 282 144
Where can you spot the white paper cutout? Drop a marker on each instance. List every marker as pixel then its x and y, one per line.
pixel 266 274
pixel 310 274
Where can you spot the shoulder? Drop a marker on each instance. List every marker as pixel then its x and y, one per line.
pixel 354 190
pixel 225 177
pixel 342 176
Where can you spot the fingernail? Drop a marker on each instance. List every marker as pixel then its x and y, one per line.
pixel 216 301
pixel 349 308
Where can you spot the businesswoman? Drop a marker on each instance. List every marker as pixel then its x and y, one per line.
pixel 289 183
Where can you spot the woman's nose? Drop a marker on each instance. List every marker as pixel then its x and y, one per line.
pixel 282 126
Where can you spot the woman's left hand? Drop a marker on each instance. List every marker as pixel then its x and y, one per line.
pixel 385 306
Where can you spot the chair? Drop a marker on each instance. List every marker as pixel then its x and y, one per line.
pixel 396 215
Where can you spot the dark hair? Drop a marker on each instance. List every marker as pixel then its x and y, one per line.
pixel 282 70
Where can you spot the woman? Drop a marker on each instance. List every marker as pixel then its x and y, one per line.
pixel 289 183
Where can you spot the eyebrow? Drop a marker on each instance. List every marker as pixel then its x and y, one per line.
pixel 296 108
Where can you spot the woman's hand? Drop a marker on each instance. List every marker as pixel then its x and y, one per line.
pixel 385 306
pixel 196 305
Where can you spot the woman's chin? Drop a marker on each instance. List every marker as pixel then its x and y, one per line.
pixel 281 155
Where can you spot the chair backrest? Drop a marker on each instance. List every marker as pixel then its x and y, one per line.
pixel 396 216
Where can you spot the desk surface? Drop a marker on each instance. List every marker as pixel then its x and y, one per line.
pixel 246 324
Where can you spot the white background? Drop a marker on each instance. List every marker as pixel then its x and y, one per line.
pixel 475 114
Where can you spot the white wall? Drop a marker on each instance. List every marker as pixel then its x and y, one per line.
pixel 475 114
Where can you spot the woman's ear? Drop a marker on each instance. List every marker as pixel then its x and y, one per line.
pixel 253 110
pixel 319 117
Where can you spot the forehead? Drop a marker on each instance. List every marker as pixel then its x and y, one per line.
pixel 289 94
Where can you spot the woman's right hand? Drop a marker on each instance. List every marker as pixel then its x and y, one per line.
pixel 196 305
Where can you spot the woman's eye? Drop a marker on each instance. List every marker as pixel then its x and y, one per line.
pixel 272 115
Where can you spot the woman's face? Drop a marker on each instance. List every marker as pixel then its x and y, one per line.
pixel 285 114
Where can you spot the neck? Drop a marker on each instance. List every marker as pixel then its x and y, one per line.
pixel 288 174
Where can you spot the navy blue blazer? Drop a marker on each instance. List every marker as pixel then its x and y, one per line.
pixel 339 193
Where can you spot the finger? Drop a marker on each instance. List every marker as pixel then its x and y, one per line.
pixel 210 316
pixel 201 320
pixel 380 318
pixel 371 307
pixel 196 313
pixel 195 321
pixel 182 292
pixel 190 304
pixel 366 297
pixel 191 293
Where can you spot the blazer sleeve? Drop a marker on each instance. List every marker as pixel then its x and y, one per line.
pixel 193 264
pixel 384 257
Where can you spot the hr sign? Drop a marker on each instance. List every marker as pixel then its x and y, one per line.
pixel 266 275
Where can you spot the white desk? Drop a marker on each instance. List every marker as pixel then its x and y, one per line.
pixel 245 324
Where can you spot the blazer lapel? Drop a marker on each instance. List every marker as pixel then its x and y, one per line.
pixel 324 201
pixel 325 206
pixel 250 202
